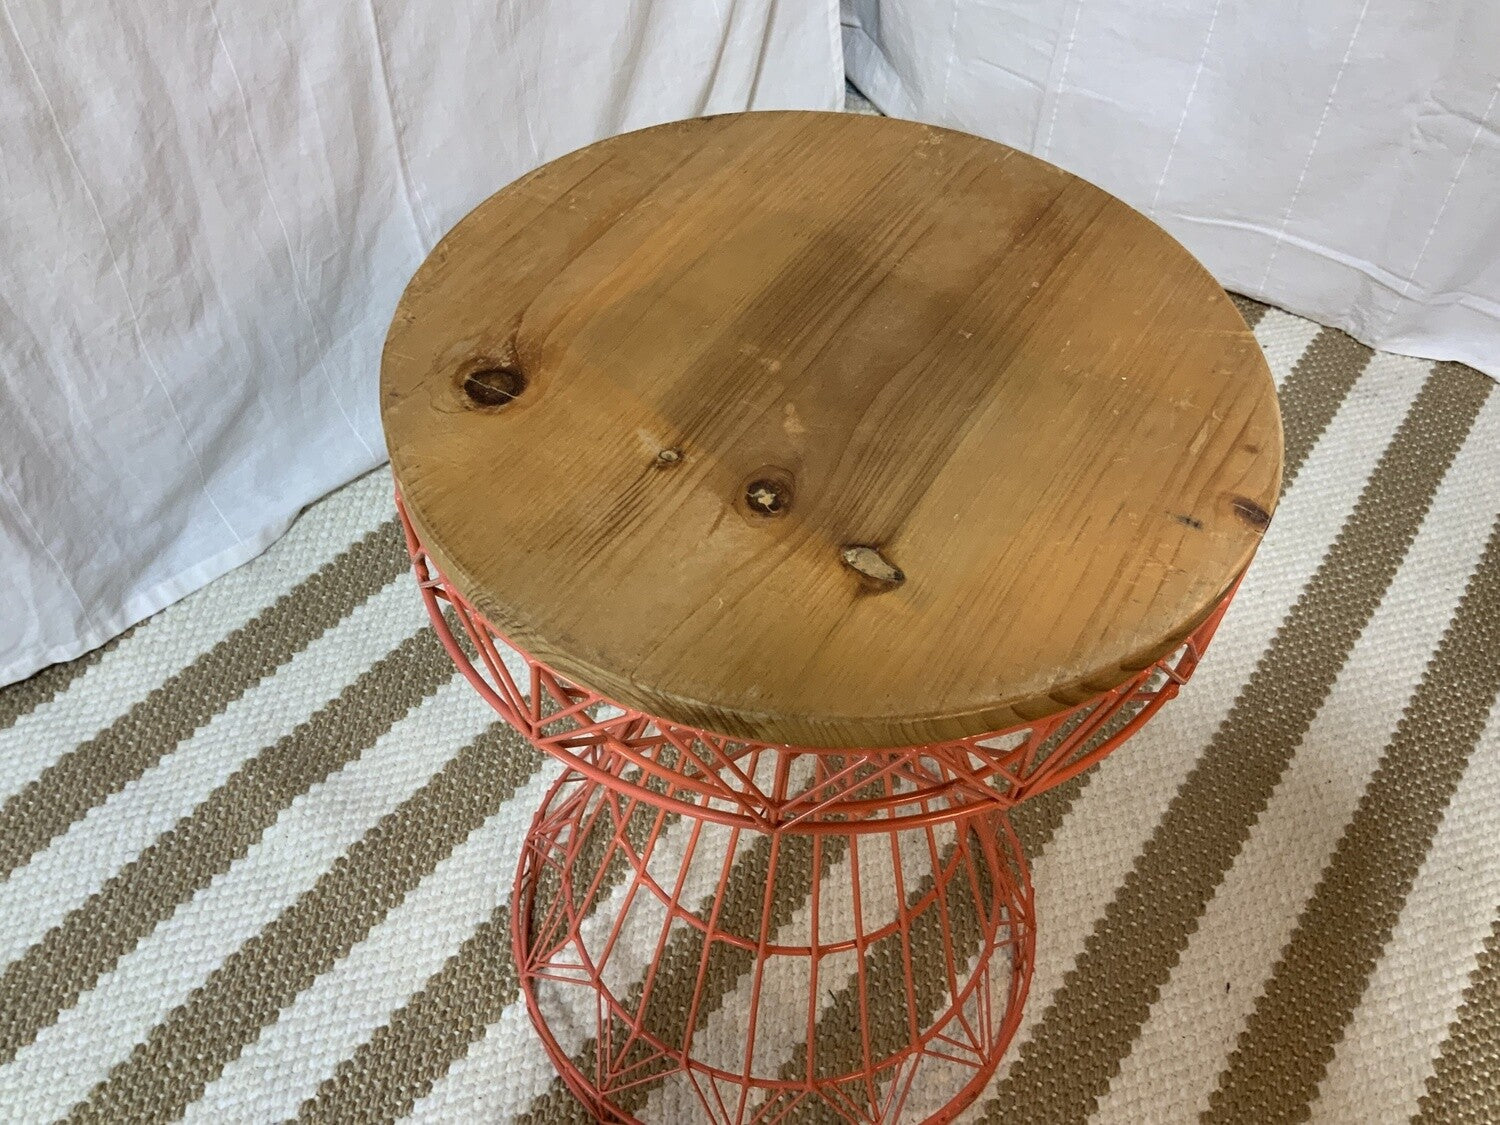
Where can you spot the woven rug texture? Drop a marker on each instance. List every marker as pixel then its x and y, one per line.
pixel 255 856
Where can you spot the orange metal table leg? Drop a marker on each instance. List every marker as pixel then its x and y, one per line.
pixel 711 928
pixel 633 926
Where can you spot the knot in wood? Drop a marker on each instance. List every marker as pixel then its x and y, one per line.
pixel 767 497
pixel 872 566
pixel 493 386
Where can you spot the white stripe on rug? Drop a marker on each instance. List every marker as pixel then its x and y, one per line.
pixel 1419 983
pixel 71 1056
pixel 169 641
pixel 344 1006
pixel 1256 907
pixel 76 865
pixel 1283 338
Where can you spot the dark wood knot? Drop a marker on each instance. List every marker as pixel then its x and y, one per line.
pixel 494 386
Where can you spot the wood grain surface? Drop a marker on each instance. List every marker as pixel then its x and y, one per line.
pixel 827 429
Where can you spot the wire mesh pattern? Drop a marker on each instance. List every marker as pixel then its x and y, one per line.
pixel 660 836
pixel 607 877
pixel 778 788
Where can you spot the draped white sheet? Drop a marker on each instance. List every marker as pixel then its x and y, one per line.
pixel 209 211
pixel 1340 159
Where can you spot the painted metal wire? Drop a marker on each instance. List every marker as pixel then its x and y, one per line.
pixel 780 788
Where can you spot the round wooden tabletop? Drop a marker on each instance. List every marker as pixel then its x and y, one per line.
pixel 828 430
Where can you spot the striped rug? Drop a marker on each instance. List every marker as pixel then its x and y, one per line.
pixel 255 855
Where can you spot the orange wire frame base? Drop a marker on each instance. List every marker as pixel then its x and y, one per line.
pixel 710 928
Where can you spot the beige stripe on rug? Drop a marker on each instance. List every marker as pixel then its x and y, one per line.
pixel 257 852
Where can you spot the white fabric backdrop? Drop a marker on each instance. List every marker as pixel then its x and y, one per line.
pixel 209 212
pixel 1339 159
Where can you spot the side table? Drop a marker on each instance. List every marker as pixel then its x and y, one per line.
pixel 816 488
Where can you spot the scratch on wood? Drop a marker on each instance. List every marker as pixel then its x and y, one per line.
pixel 1251 512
